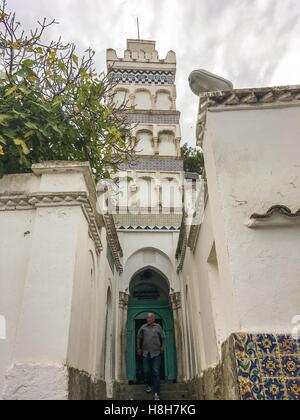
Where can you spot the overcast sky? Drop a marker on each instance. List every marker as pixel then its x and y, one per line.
pixel 251 42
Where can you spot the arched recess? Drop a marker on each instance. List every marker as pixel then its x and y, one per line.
pixel 109 344
pixel 150 257
pixel 171 193
pixel 167 143
pixel 146 192
pixel 143 99
pixel 163 100
pixel 144 143
pixel 121 97
pixel 149 291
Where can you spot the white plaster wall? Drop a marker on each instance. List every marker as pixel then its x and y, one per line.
pixel 256 158
pixel 44 322
pixel 37 269
pixel 93 277
pixel 15 244
pixel 52 287
pixel 195 275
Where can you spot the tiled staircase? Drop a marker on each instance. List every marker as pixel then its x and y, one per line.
pixel 169 391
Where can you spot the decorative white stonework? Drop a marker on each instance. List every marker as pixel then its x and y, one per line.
pixel 176 300
pixel 155 117
pixel 113 241
pixel 141 51
pixel 244 99
pixel 181 247
pixel 257 96
pixel 149 228
pixel 123 300
pixel 276 216
pixel 55 199
pixel 142 77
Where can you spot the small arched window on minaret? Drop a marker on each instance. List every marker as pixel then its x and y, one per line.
pixel 143 99
pixel 144 145
pixel 121 97
pixel 163 100
pixel 167 144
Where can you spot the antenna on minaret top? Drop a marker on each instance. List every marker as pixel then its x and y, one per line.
pixel 138 27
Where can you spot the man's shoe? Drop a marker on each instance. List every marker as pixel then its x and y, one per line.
pixel 156 397
pixel 148 389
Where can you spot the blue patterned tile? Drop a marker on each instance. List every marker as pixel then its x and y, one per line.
pixel 291 366
pixel 293 389
pixel 266 345
pixel 244 345
pixel 248 368
pixel 274 389
pixel 270 366
pixel 287 345
pixel 250 391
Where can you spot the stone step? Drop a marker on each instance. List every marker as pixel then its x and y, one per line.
pixel 169 391
pixel 164 385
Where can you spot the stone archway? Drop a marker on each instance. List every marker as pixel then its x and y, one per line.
pixel 149 291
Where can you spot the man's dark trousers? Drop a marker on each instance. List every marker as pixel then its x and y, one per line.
pixel 151 367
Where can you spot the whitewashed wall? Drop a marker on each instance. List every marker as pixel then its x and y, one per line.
pixel 52 290
pixel 250 280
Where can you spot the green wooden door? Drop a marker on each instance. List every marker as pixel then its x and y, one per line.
pixel 139 310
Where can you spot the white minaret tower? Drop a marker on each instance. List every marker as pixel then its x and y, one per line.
pixel 147 83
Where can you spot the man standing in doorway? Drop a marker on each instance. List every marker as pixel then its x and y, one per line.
pixel 150 345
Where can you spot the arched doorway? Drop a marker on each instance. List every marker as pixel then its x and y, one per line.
pixel 149 292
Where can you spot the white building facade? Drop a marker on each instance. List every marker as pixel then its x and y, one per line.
pixel 77 282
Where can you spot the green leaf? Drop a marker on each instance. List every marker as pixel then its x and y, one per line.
pixel 29 134
pixel 39 50
pixel 2 140
pixel 10 90
pixel 61 65
pixel 32 78
pixel 4 118
pixel 56 129
pixel 31 125
pixel 28 63
pixel 24 90
pixel 20 142
pixel 75 59
pixel 57 101
pixel 9 132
